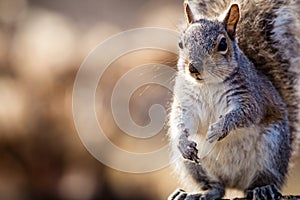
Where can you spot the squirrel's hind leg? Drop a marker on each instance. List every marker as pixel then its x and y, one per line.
pixel 268 192
pixel 180 194
pixel 212 189
pixel 212 194
pixel 216 191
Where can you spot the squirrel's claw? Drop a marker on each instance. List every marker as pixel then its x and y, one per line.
pixel 188 149
pixel 264 193
pixel 212 136
pixel 180 194
pixel 216 131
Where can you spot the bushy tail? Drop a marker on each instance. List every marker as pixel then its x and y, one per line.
pixel 269 34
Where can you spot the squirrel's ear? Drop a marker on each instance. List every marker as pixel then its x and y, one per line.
pixel 231 20
pixel 188 13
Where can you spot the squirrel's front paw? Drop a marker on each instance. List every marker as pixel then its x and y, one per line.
pixel 188 149
pixel 216 131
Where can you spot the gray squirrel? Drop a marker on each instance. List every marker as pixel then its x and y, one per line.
pixel 234 117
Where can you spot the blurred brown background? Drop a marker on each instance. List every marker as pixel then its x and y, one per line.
pixel 42 45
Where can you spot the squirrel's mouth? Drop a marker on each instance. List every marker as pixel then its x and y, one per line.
pixel 197 76
pixel 194 72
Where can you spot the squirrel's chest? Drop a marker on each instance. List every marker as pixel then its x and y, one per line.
pixel 212 105
pixel 233 155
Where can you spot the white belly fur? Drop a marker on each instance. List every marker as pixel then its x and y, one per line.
pixel 234 160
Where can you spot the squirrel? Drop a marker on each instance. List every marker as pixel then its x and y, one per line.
pixel 234 118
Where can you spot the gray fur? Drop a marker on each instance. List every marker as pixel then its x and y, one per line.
pixel 269 35
pixel 234 123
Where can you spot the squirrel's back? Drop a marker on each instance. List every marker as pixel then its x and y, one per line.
pixel 269 35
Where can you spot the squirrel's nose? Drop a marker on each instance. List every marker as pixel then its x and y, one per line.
pixel 192 69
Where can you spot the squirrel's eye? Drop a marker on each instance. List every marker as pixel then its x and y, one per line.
pixel 222 47
pixel 180 44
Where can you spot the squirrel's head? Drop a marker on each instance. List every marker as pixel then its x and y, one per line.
pixel 207 47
